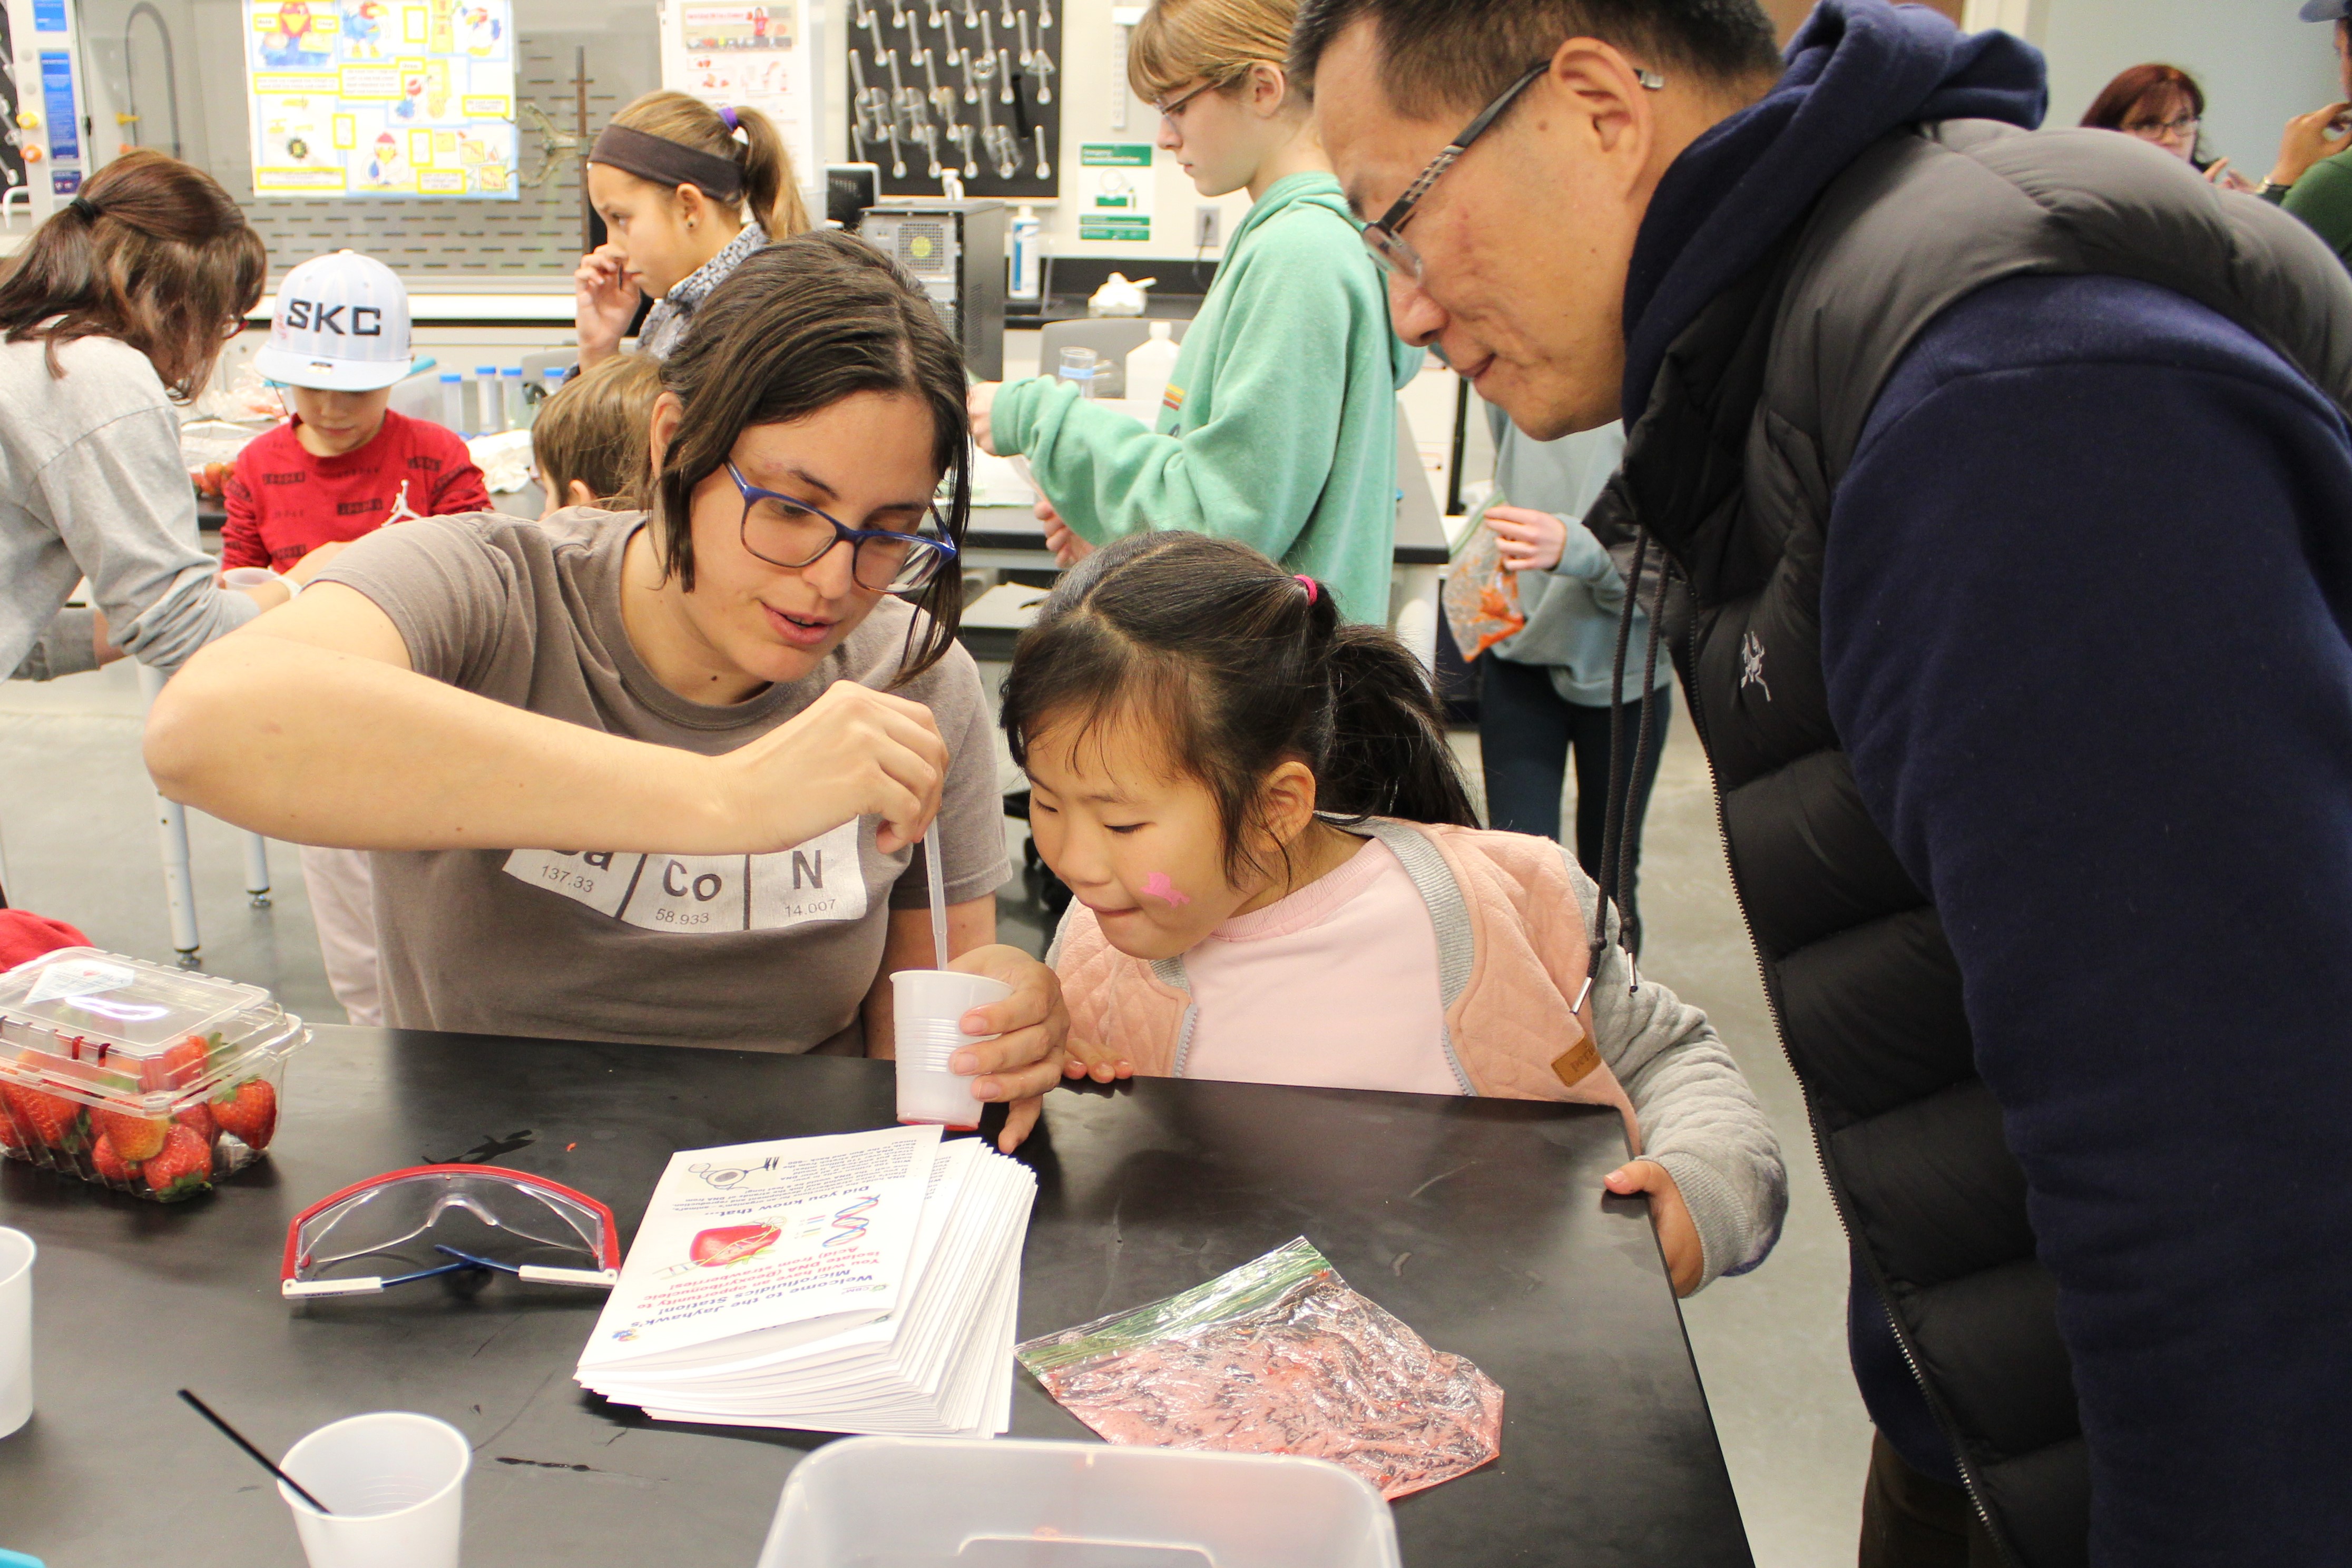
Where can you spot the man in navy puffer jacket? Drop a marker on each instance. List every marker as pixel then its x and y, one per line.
pixel 2083 631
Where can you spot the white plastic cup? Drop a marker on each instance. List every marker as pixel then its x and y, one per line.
pixel 396 1483
pixel 17 1255
pixel 928 1009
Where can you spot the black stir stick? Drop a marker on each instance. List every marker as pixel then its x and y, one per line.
pixel 237 1437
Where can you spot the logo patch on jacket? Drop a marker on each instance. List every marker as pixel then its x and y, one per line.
pixel 1751 665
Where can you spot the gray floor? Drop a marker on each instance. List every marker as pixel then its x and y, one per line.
pixel 78 823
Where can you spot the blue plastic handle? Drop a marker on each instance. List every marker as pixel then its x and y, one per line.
pixel 18 1559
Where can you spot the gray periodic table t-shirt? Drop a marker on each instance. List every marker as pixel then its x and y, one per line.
pixel 762 952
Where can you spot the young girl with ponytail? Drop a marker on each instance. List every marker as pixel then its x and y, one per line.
pixel 686 192
pixel 1279 879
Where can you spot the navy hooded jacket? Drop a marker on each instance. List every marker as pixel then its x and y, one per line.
pixel 2084 622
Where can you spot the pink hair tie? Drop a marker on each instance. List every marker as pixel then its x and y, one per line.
pixel 1313 593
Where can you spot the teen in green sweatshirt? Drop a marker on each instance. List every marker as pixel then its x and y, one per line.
pixel 1279 424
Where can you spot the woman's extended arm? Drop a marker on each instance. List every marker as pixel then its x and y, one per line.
pixel 311 726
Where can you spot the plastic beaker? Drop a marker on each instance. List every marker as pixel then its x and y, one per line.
pixel 1080 368
pixel 396 1483
pixel 927 1015
pixel 17 1255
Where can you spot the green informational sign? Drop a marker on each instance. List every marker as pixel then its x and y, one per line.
pixel 1115 181
pixel 1092 226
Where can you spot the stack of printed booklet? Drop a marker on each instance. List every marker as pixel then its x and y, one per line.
pixel 864 1282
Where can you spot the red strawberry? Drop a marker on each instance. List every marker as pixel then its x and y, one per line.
pixel 183 1169
pixel 731 1244
pixel 175 1068
pixel 111 1167
pixel 198 1116
pixel 251 1112
pixel 134 1137
pixel 44 1120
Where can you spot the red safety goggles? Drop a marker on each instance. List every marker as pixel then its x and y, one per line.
pixel 433 1221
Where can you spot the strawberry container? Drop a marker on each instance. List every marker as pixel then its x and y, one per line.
pixel 147 1080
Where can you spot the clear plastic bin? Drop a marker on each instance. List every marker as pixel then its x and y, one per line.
pixel 147 1080
pixel 948 1503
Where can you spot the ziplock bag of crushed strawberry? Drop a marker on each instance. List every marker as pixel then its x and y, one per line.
pixel 1480 598
pixel 1278 1356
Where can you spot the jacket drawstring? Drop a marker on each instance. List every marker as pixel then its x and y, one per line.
pixel 1623 771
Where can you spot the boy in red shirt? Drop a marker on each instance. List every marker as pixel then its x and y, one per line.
pixel 344 465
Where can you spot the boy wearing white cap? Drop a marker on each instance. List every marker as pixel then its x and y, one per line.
pixel 343 467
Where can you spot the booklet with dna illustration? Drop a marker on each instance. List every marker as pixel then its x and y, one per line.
pixel 857 1282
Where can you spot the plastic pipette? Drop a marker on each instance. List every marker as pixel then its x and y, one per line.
pixel 939 891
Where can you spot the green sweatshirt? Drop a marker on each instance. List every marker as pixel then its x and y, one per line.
pixel 1279 427
pixel 2323 200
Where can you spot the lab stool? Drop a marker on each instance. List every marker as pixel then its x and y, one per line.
pixel 179 880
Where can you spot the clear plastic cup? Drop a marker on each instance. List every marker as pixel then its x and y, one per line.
pixel 1081 369
pixel 17 1255
pixel 928 1009
pixel 396 1483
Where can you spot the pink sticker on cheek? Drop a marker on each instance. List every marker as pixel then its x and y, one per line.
pixel 1158 886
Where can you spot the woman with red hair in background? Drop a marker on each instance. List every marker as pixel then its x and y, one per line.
pixel 2162 104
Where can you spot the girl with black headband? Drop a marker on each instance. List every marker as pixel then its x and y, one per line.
pixel 686 192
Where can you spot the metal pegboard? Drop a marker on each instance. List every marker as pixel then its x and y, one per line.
pixel 539 235
pixel 967 85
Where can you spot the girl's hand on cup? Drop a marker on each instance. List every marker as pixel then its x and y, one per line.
pixel 603 303
pixel 853 751
pixel 1530 540
pixel 1032 1029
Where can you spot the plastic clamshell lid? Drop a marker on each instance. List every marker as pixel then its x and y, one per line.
pixel 131 1006
pixel 82 1023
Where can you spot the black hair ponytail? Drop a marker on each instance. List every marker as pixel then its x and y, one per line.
pixel 1388 755
pixel 1238 666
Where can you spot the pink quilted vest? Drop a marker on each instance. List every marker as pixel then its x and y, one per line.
pixel 1511 948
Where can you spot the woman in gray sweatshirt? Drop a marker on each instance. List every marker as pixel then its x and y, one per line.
pixel 1546 692
pixel 117 309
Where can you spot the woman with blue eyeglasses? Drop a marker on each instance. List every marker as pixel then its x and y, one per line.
pixel 663 776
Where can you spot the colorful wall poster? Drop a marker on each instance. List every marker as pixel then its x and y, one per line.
pixel 712 27
pixel 382 99
pixel 755 56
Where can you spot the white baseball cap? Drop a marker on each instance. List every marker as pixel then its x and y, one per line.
pixel 342 326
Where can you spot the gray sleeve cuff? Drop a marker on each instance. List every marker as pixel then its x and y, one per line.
pixel 1725 1232
pixel 68 647
pixel 195 612
pixel 1698 1116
